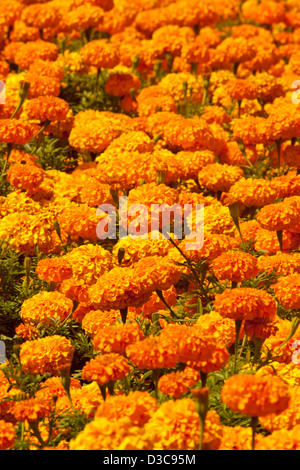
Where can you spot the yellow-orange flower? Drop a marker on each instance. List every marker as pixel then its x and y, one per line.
pixel 106 368
pixel 255 395
pixel 235 266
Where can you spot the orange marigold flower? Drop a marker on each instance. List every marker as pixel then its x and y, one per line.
pixel 46 306
pixel 31 409
pixel 115 338
pixel 286 291
pixel 79 221
pixel 219 359
pixel 175 426
pixel 218 177
pixel 157 272
pixel 106 368
pixel 281 216
pixel 47 354
pixel 16 131
pixel 100 53
pixel 153 353
pixel 42 86
pixel 31 51
pixel 237 49
pixel 25 176
pixel 253 192
pixel 191 343
pixel 176 384
pixel 220 327
pixel 7 435
pixel 266 12
pixel 282 263
pixel 287 419
pixel 255 395
pixel 245 303
pixel 237 438
pixel 235 266
pixel 47 68
pixel 188 134
pixel 121 82
pixel 48 108
pixel 240 89
pixel 267 240
pixel 117 289
pixel 95 320
pixel 176 83
pixel 259 329
pixel 54 269
pixel 89 262
pixel 137 406
pixel 84 17
pixel 287 185
pixel 154 99
pixel 134 249
pixel 41 16
pixel 104 434
pixel 231 154
pixel 27 331
pixel 281 440
pixel 291 155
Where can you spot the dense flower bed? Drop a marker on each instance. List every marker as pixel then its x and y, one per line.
pixel 119 334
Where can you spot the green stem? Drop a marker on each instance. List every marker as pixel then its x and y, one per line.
pixel 238 324
pixel 254 422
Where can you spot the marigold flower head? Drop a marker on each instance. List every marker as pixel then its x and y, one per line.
pixel 121 82
pixel 255 395
pixel 287 419
pixel 7 435
pixel 47 68
pixel 266 12
pixel 240 89
pixel 235 265
pixel 281 440
pixel 157 272
pixel 153 353
pixel 45 108
pixel 267 240
pixel 282 263
pixel 154 99
pixel 177 83
pixel 84 17
pixel 31 51
pixel 46 306
pixel 79 221
pixel 137 406
pixel 220 327
pixel 281 216
pixel 16 131
pixel 175 426
pixel 286 289
pixel 106 368
pixel 237 438
pixel 259 329
pixel 231 154
pixel 134 249
pixel 41 15
pixel 237 49
pixel 245 303
pixel 31 409
pixel 25 176
pixel 115 338
pixel 188 134
pixel 104 434
pixel 176 384
pixel 47 354
pixel 287 185
pixel 89 262
pixel 117 289
pixel 42 86
pixel 100 53
pixel 219 358
pixel 253 192
pixel 192 344
pixel 218 177
pixel 291 155
pixel 95 320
